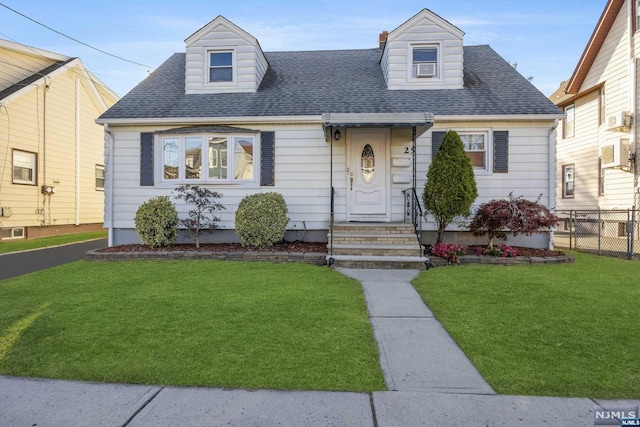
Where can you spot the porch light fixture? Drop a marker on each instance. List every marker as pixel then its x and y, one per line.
pixel 336 135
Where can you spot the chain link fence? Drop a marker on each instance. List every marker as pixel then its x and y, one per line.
pixel 614 233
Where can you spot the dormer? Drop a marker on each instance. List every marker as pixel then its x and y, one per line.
pixel 426 52
pixel 223 58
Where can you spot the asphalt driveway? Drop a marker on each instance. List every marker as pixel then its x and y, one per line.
pixel 16 264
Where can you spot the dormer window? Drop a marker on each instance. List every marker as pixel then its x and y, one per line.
pixel 425 62
pixel 220 66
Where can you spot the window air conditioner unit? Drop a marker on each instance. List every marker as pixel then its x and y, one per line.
pixel 615 154
pixel 426 70
pixel 619 122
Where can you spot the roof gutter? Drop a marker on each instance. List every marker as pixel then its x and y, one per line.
pixel 314 119
pixel 177 121
pixel 501 118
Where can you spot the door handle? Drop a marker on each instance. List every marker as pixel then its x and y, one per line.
pixel 351 180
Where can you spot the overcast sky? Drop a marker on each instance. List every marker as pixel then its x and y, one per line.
pixel 545 38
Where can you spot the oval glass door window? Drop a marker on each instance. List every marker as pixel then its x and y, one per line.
pixel 367 164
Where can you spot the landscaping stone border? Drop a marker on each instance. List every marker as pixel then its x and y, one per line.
pixel 314 258
pixel 488 259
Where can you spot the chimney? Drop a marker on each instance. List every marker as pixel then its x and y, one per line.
pixel 383 38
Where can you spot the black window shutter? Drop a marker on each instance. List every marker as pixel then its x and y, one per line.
pixel 146 159
pixel 500 151
pixel 436 141
pixel 267 158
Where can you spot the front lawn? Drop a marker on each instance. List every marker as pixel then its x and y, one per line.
pixel 555 330
pixel 44 242
pixel 208 323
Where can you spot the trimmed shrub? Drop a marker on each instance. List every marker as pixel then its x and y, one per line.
pixel 157 222
pixel 516 215
pixel 261 219
pixel 451 185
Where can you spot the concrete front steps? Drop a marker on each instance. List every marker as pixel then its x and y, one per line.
pixel 375 245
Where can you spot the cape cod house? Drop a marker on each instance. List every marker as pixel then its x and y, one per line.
pixel 51 149
pixel 346 136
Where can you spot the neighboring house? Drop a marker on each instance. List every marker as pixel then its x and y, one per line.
pixel 597 142
pixel 364 123
pixel 51 149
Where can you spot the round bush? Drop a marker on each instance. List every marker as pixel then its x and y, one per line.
pixel 261 219
pixel 157 222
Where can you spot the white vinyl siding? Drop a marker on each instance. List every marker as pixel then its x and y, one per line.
pixel 610 68
pixel 582 151
pixel 301 176
pixel 528 174
pixel 424 29
pixel 249 62
pixel 302 169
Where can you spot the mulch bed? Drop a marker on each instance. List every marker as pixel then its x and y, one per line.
pixel 286 247
pixel 289 247
pixel 530 252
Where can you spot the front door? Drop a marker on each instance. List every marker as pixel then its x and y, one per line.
pixel 367 179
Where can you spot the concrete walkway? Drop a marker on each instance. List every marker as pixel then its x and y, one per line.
pixel 416 353
pixel 431 383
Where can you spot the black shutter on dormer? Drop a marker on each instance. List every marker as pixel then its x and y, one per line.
pixel 501 151
pixel 146 159
pixel 267 158
pixel 436 141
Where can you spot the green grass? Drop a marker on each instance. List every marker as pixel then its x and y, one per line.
pixel 556 330
pixel 207 323
pixel 23 245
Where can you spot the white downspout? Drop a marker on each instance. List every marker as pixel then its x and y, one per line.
pixel 108 170
pixel 552 173
pixel 78 151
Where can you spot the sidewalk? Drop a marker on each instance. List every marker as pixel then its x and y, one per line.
pixel 431 383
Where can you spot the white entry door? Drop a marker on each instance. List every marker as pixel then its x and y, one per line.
pixel 367 179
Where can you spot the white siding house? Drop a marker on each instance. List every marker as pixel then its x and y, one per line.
pixel 306 121
pixel 597 142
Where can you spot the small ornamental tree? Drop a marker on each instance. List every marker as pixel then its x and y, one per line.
pixel 516 215
pixel 201 217
pixel 156 222
pixel 451 185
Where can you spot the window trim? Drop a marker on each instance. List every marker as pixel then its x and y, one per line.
pixel 565 127
pixel 97 168
pixel 207 65
pixel 488 149
pixel 601 177
pixel 205 180
pixel 601 107
pixel 424 80
pixel 34 162
pixel 564 181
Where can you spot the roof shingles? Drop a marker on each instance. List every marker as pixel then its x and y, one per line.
pixel 344 81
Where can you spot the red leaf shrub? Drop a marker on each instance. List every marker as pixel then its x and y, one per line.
pixel 516 215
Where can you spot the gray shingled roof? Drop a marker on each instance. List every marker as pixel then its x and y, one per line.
pixel 342 81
